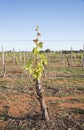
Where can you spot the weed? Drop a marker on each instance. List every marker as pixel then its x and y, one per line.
pixel 79 111
pixel 3 97
pixel 78 99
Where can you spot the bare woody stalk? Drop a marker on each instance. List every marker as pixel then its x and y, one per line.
pixel 36 67
pixel 41 99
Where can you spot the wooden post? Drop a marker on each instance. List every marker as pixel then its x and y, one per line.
pixel 24 57
pixel 68 62
pixel 83 56
pixel 20 56
pixel 71 53
pixel 3 62
pixel 14 57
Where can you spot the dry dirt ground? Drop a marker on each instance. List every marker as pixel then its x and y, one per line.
pixel 64 95
pixel 20 110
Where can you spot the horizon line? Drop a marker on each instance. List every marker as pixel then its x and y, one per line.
pixel 41 40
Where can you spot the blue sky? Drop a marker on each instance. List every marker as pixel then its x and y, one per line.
pixel 58 20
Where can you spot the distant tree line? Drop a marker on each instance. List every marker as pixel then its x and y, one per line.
pixel 49 50
pixel 63 51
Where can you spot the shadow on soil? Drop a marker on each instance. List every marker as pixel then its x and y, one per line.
pixel 73 119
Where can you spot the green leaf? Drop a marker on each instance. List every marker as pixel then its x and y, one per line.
pixel 36 66
pixel 29 63
pixel 42 56
pixel 40 45
pixel 35 51
pixel 44 61
pixel 30 70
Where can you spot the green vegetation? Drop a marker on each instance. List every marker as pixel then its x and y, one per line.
pixel 78 100
pixel 79 111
